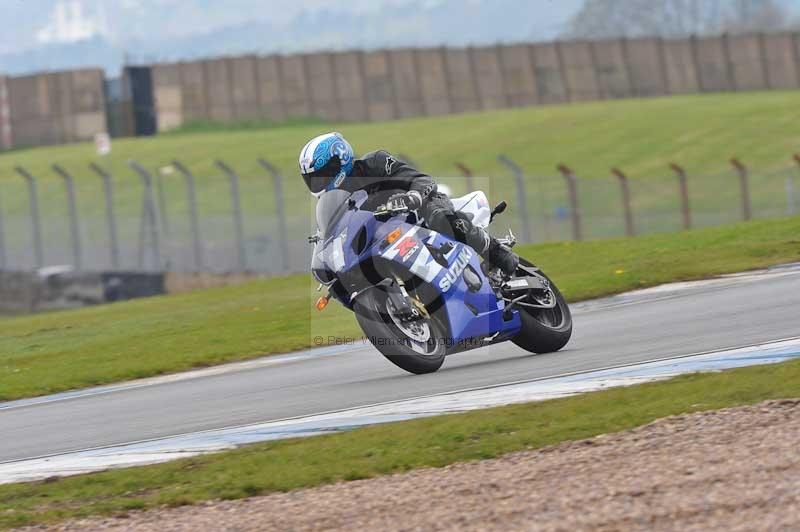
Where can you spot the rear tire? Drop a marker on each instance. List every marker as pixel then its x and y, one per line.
pixel 544 331
pixel 373 314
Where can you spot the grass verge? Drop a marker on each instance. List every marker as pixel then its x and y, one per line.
pixel 699 132
pixel 54 352
pixel 387 449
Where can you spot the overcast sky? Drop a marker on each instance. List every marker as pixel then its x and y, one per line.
pixel 42 35
pixel 29 23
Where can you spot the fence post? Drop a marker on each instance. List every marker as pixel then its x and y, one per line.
pixel 684 192
pixel 519 178
pixel 466 172
pixel 111 220
pixel 575 209
pixel 191 199
pixel 238 223
pixel 36 226
pixel 149 216
pixel 162 204
pixel 630 229
pixel 790 188
pixel 277 181
pixel 744 186
pixel 69 184
pixel 2 237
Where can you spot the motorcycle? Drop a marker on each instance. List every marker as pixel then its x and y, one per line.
pixel 419 295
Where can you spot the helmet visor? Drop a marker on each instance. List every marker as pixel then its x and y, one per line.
pixel 318 180
pixel 315 182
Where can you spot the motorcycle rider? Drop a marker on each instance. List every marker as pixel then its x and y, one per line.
pixel 327 162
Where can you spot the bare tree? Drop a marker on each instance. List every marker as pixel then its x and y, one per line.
pixel 675 18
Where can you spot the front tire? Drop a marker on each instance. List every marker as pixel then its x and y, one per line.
pixel 418 348
pixel 544 330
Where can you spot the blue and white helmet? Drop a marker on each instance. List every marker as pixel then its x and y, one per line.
pixel 325 162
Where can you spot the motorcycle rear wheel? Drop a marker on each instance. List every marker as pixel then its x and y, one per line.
pixel 418 348
pixel 544 330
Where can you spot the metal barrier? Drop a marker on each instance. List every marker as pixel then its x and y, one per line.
pixel 227 221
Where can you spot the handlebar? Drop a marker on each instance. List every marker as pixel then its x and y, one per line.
pixel 388 210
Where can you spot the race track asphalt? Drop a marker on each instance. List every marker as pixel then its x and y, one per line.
pixel 656 325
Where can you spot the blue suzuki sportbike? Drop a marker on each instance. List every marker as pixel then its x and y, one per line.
pixel 419 295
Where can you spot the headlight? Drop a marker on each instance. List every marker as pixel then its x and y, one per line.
pixel 334 252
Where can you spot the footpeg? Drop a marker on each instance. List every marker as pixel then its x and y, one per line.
pixel 526 283
pixel 509 240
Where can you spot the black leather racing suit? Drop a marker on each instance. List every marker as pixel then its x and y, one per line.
pixel 381 175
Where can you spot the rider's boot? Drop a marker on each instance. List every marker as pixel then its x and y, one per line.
pixel 493 252
pixel 501 256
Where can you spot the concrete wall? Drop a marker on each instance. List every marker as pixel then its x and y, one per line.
pixel 433 82
pixel 462 81
pixel 383 85
pixel 349 86
pixel 88 103
pixel 548 73
pixel 713 64
pixel 518 75
pixel 646 65
pixel 243 75
pixel 782 58
pixel 407 84
pixel 6 140
pixel 270 88
pixel 322 86
pixel 219 87
pixel 56 107
pixel 379 86
pixel 682 71
pixel 487 69
pixel 194 99
pixel 578 70
pixel 168 95
pixel 613 74
pixel 294 86
pixel 748 70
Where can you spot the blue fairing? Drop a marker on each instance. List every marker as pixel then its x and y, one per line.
pixel 471 314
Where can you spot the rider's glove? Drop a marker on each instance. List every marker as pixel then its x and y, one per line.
pixel 411 200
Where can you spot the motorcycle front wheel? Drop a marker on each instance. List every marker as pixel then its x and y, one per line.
pixel 545 330
pixel 417 346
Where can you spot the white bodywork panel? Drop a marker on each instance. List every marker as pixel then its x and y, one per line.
pixel 476 204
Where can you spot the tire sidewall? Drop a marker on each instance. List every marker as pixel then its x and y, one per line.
pixel 376 328
pixel 537 337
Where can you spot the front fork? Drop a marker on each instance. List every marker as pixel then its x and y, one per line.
pixel 406 306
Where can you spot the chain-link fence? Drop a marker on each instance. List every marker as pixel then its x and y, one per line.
pixel 171 219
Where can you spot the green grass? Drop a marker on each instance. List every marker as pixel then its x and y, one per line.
pixel 640 136
pixel 700 132
pixel 207 126
pixel 387 449
pixel 59 351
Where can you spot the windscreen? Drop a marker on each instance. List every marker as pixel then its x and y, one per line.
pixel 330 208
